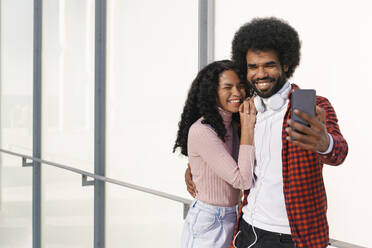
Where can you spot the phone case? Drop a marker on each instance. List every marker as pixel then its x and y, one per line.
pixel 303 100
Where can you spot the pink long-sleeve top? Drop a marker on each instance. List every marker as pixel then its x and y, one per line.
pixel 216 174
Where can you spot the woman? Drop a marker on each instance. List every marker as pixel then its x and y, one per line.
pixel 208 135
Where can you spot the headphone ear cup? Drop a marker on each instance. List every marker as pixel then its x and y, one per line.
pixel 258 104
pixel 276 102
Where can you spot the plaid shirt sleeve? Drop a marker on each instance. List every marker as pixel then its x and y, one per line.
pixel 340 147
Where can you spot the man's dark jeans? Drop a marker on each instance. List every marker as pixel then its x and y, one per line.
pixel 265 239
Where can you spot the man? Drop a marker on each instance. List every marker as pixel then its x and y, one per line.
pixel 286 206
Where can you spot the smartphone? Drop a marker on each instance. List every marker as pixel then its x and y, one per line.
pixel 303 100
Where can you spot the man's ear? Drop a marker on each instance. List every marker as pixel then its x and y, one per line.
pixel 285 68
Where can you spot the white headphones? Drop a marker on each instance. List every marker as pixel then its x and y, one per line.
pixel 275 102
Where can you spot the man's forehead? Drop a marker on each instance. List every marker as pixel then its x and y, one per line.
pixel 264 56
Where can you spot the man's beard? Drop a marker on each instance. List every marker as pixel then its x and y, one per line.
pixel 279 84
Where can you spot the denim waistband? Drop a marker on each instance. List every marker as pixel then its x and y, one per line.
pixel 216 210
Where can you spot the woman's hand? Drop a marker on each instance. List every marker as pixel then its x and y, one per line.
pixel 247 112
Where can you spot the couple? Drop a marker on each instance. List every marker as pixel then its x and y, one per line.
pixel 286 204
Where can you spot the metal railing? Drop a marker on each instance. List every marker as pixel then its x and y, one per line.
pixel 85 182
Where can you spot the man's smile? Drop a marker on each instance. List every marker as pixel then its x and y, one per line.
pixel 264 85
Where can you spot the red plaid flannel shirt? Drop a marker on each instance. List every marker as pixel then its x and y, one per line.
pixel 304 192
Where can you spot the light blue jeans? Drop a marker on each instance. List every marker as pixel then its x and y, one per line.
pixel 208 226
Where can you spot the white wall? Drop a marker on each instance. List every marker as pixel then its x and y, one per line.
pixel 336 48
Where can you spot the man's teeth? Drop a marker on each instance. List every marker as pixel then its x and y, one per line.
pixel 263 85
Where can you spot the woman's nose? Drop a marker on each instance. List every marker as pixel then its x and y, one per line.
pixel 236 91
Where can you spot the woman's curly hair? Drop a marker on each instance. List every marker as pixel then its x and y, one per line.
pixel 267 34
pixel 202 101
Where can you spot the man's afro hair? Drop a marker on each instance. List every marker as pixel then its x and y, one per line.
pixel 267 34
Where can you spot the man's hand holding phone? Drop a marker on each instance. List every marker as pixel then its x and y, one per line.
pixel 306 130
pixel 315 137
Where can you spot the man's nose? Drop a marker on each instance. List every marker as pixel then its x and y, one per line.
pixel 261 72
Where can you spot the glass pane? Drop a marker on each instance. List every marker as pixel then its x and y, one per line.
pixel 16 75
pixel 67 121
pixel 68 210
pixel 68 82
pixel 137 219
pixel 335 57
pixel 16 122
pixel 152 59
pixel 15 203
